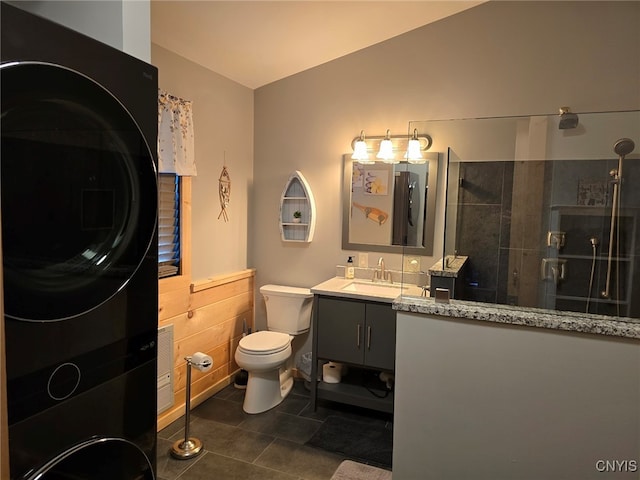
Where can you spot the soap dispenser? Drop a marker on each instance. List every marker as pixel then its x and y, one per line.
pixel 349 272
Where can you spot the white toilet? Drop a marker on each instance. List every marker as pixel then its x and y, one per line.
pixel 266 355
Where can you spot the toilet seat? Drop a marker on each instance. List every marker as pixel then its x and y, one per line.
pixel 264 343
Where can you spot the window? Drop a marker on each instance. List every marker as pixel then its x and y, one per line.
pixel 169 252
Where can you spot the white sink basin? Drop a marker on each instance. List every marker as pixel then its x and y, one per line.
pixel 382 289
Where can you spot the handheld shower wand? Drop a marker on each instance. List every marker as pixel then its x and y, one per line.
pixel 622 147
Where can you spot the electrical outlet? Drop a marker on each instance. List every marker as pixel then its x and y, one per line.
pixel 411 264
pixel 363 260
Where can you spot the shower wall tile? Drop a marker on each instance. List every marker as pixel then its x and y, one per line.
pixel 567 174
pixel 581 225
pixel 634 307
pixel 632 231
pixel 525 231
pixel 503 220
pixel 506 291
pixel 529 278
pixel 506 205
pixel 597 308
pixel 481 295
pixel 481 183
pixel 505 227
pixel 631 184
pixel 576 282
pixel 478 236
pixel 579 229
pixel 526 204
pixel 483 218
pixel 507 182
pixel 519 277
pixel 506 209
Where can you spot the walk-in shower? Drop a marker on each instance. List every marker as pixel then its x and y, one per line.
pixel 531 204
pixel 622 148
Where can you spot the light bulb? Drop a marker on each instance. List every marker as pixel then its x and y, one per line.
pixel 360 151
pixel 413 154
pixel 386 150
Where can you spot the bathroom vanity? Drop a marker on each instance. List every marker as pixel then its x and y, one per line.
pixel 354 324
pixel 362 335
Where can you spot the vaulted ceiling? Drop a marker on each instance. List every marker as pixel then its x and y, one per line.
pixel 258 42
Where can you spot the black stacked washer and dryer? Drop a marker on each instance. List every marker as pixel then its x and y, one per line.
pixel 79 245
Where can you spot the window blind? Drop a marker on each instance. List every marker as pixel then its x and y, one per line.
pixel 168 225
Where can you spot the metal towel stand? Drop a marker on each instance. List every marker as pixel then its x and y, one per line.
pixel 189 447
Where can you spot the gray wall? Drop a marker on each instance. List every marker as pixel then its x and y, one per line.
pixel 483 401
pixel 223 128
pixel 496 59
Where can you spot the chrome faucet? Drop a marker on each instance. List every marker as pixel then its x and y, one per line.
pixel 380 273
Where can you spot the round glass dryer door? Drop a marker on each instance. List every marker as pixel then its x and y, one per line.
pixel 79 192
pixel 97 459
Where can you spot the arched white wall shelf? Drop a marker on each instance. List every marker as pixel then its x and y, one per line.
pixel 297 197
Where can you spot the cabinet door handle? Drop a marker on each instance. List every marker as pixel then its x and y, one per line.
pixel 358 339
pixel 369 338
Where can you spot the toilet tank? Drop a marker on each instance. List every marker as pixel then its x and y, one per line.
pixel 288 308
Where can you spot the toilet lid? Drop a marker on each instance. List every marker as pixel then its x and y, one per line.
pixel 265 342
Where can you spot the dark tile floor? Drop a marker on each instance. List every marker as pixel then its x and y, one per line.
pixel 267 446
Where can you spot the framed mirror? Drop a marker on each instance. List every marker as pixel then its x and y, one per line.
pixel 389 207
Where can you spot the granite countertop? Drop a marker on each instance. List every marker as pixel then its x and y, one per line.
pixel 374 291
pixel 531 317
pixel 453 266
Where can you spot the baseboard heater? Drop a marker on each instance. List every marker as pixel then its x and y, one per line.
pixel 165 368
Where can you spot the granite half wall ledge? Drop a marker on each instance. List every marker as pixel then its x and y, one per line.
pixel 530 317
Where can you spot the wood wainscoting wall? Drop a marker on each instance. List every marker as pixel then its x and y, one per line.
pixel 207 316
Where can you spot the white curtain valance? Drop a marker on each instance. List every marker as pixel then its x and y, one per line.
pixel 175 135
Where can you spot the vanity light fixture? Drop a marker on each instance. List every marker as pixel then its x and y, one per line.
pixel 386 150
pixel 363 147
pixel 414 155
pixel 360 150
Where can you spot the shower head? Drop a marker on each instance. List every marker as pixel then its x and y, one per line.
pixel 568 120
pixel 624 146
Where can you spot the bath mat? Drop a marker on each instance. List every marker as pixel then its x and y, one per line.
pixel 349 470
pixel 356 440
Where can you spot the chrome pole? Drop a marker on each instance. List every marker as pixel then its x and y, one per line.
pixel 617 175
pixel 189 447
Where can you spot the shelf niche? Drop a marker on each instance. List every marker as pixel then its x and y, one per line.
pixel 297 196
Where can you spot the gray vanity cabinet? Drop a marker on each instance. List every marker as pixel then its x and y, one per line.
pixel 361 334
pixel 357 332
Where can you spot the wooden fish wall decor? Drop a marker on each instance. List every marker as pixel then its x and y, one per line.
pixel 224 192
